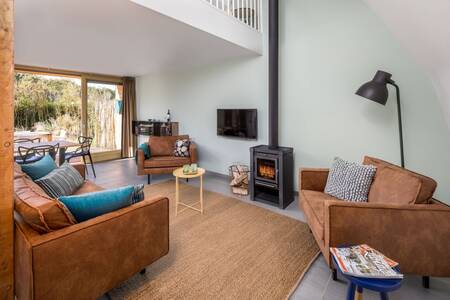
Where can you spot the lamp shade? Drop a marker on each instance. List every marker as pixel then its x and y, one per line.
pixel 376 89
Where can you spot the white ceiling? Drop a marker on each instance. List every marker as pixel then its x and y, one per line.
pixel 423 27
pixel 116 37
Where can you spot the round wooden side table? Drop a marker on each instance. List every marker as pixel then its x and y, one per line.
pixel 178 173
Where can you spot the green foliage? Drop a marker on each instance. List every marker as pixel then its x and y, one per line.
pixel 54 104
pixel 40 99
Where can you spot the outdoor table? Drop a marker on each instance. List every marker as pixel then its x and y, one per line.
pixel 63 145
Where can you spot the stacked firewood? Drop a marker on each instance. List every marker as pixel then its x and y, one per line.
pixel 239 179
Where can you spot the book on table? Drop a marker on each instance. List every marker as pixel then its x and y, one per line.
pixel 364 261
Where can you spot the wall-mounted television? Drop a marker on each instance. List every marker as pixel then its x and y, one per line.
pixel 242 123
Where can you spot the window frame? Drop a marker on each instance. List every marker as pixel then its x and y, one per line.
pixel 85 79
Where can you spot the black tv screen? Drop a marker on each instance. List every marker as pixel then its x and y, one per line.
pixel 241 123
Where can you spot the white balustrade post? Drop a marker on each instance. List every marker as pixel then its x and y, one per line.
pixel 247 11
pixel 260 15
pixel 232 8
pixel 252 13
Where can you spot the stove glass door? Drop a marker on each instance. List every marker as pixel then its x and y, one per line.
pixel 266 169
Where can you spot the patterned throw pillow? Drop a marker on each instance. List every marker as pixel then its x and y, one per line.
pixel 63 181
pixel 138 193
pixel 350 181
pixel 182 148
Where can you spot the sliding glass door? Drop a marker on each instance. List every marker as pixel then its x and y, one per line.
pixel 104 115
pixel 66 105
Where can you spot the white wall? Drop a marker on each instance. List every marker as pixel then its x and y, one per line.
pixel 193 99
pixel 423 30
pixel 328 48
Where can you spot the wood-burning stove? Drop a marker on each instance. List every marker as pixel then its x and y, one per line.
pixel 272 166
pixel 271 178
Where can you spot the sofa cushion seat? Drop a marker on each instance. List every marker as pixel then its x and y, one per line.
pixel 314 206
pixel 88 187
pixel 166 161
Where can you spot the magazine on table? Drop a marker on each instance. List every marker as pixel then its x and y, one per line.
pixel 364 261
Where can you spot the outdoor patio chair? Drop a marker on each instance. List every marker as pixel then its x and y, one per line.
pixel 82 151
pixel 27 140
pixel 29 155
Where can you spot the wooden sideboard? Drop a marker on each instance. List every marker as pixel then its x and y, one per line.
pixel 155 128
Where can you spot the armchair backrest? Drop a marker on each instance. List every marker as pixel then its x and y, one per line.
pixel 395 185
pixel 164 145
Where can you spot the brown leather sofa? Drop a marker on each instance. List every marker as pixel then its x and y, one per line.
pixel 87 259
pixel 162 159
pixel 401 219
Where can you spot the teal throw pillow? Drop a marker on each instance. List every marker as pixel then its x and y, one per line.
pixel 40 168
pixel 144 147
pixel 87 206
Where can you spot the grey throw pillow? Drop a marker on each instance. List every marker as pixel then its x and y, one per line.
pixel 350 181
pixel 63 181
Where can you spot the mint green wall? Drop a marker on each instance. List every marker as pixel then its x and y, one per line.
pixel 327 49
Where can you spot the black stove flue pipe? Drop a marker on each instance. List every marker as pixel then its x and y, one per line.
pixel 273 74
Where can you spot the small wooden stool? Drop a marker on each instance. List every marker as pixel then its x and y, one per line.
pixel 178 173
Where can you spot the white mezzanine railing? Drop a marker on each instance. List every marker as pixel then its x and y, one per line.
pixel 247 11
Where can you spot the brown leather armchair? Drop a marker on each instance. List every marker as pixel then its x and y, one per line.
pixel 162 159
pixel 401 219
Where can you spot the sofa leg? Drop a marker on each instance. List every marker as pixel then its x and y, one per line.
pixel 426 282
pixel 187 179
pixel 142 272
pixel 149 178
pixel 334 274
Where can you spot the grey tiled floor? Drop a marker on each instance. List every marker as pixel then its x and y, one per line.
pixel 317 283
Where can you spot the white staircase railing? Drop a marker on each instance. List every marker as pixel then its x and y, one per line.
pixel 247 11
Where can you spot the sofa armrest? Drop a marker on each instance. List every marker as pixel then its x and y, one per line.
pixel 314 179
pixel 140 161
pixel 193 152
pixel 89 258
pixel 80 167
pixel 416 236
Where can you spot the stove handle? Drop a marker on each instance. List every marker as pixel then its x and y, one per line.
pixel 272 186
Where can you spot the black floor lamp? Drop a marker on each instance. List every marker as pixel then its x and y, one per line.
pixel 376 90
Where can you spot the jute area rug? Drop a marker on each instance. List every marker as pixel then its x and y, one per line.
pixel 234 250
